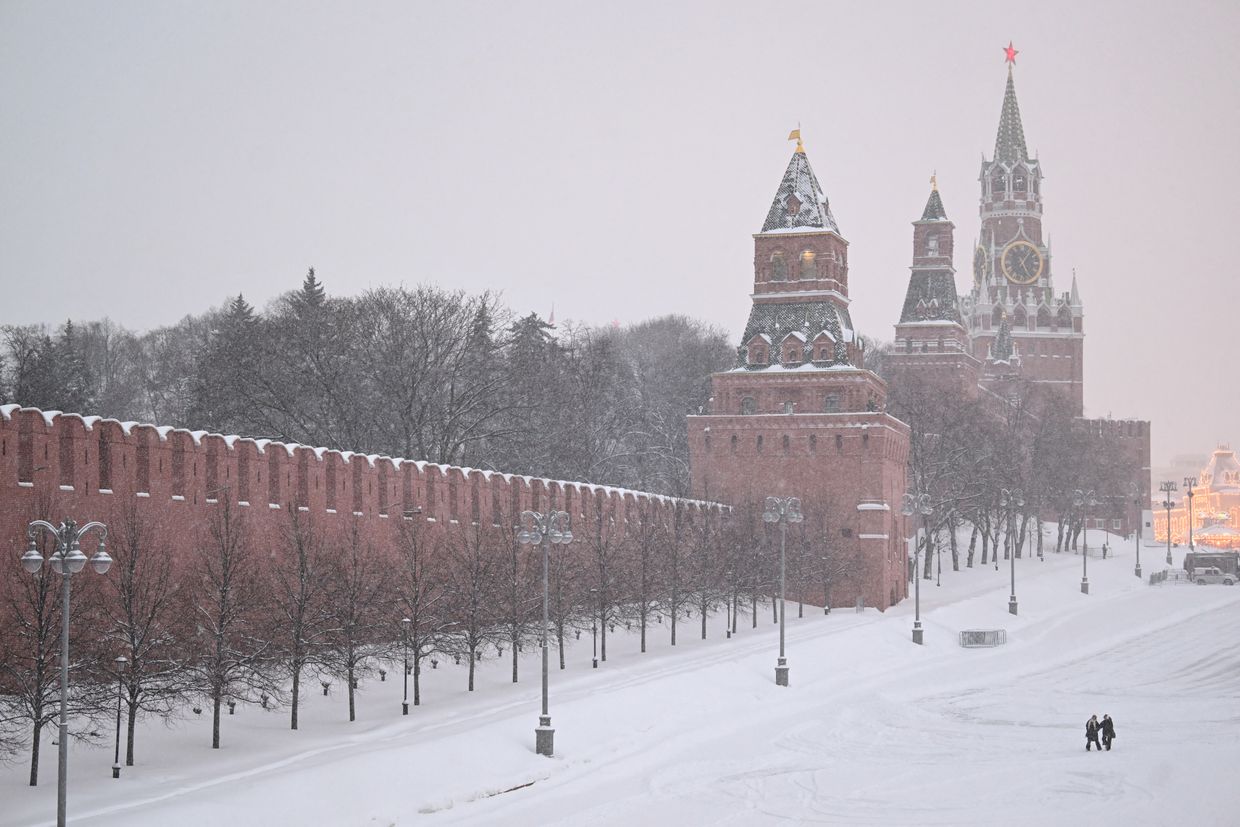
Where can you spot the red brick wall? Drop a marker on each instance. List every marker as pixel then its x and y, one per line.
pixel 89 466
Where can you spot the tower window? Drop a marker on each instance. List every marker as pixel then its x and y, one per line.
pixel 831 404
pixel 794 355
pixel 789 407
pixel 808 268
pixel 932 244
pixel 759 443
pixel 779 267
pixel 786 442
pixel 748 406
pixel 1018 183
pixel 813 442
pixel 839 443
pixel 734 443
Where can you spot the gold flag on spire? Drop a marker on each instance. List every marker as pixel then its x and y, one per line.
pixel 934 181
pixel 795 135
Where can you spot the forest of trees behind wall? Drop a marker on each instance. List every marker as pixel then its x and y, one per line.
pixel 420 373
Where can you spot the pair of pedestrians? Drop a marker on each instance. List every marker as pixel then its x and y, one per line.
pixel 1094 728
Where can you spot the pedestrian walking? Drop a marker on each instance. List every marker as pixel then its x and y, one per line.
pixel 1091 733
pixel 1108 731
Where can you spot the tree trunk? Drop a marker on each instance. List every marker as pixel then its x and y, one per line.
pixel 674 611
pixel 352 708
pixel 34 750
pixel 972 547
pixel 703 617
pixel 129 729
pixel 753 599
pixel 955 544
pixel 216 702
pixel 985 545
pixel 471 668
pixel 417 682
pixel 514 641
pixel 296 692
pixel 927 568
pixel 643 623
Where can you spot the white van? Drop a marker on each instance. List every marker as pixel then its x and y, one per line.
pixel 1212 574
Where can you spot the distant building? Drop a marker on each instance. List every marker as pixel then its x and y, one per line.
pixel 1215 507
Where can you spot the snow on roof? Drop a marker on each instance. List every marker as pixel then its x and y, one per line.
pixel 6 411
pixel 796 334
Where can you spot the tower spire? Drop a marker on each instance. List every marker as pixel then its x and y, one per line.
pixel 800 203
pixel 1010 140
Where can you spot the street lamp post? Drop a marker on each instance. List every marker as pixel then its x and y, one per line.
pixel 1136 497
pixel 593 629
pixel 545 529
pixel 66 561
pixel 116 759
pixel 404 625
pixel 1012 500
pixel 1168 488
pixel 1189 482
pixel 917 504
pixel 1084 501
pixel 826 587
pixel 782 510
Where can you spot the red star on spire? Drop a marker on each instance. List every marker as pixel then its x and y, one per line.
pixel 1010 52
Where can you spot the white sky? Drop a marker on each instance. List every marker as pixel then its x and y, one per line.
pixel 615 160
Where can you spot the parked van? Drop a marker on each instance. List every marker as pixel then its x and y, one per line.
pixel 1212 574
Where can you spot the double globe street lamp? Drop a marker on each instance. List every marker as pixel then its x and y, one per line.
pixel 1168 488
pixel 1012 500
pixel 782 510
pixel 1084 501
pixel 543 530
pixel 66 561
pixel 917 504
pixel 1189 482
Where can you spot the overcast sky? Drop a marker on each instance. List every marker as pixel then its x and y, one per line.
pixel 614 159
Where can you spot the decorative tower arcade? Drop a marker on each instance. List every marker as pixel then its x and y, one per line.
pixel 1017 322
pixel 932 344
pixel 799 415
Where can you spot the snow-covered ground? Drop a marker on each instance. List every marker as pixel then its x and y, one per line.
pixel 872 730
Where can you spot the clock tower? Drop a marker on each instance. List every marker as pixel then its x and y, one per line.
pixel 1017 322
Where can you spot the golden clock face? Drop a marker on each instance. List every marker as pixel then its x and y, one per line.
pixel 981 264
pixel 1022 263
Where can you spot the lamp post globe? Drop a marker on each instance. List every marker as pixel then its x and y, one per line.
pixel 116 760
pixel 1168 487
pixel 544 529
pixel 66 561
pixel 917 504
pixel 1012 500
pixel 782 510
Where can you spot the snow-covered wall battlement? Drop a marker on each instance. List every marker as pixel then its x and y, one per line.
pixel 88 464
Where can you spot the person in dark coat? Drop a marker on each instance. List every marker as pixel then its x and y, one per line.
pixel 1108 731
pixel 1091 733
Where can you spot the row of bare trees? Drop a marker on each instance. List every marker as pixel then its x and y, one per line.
pixel 420 373
pixel 1005 465
pixel 233 615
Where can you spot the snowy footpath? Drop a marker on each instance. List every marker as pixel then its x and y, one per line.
pixel 872 730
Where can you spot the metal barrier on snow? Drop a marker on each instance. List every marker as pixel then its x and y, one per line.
pixel 983 638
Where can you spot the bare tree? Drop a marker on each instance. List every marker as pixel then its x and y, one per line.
pixel 471 582
pixel 358 600
pixel 231 657
pixel 147 618
pixel 299 600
